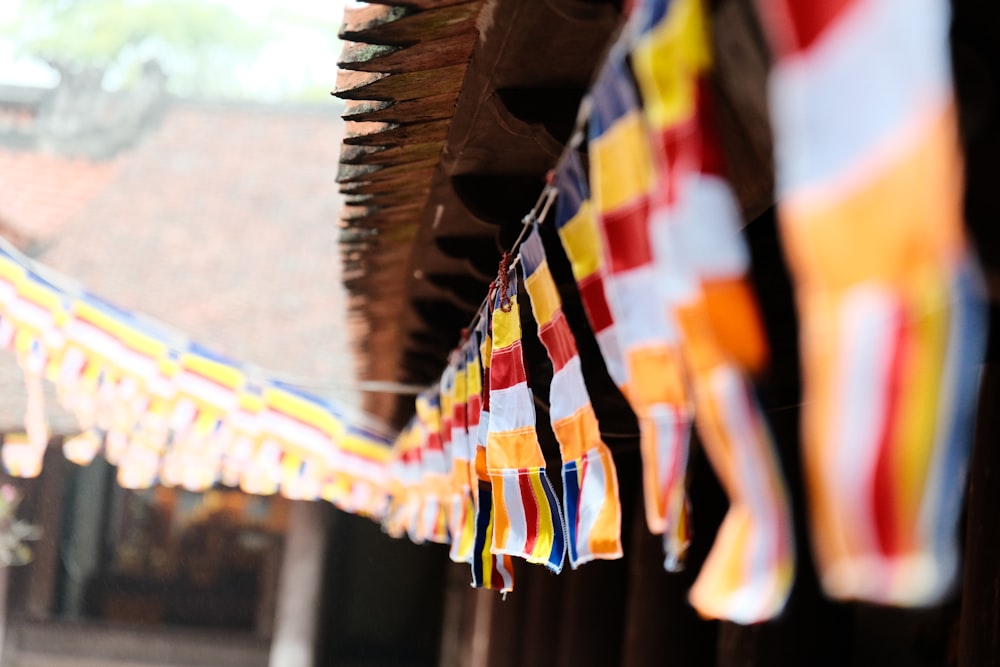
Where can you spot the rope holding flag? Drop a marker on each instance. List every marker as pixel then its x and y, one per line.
pixel 702 266
pixel 869 184
pixel 590 480
pixel 621 176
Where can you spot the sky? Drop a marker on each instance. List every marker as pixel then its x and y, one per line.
pixel 301 58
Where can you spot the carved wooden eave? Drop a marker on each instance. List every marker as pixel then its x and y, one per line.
pixel 456 111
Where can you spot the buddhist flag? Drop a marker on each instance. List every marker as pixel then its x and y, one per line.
pixel 489 570
pixel 869 185
pixel 576 222
pixel 462 511
pixel 403 475
pixel 431 497
pixel 590 481
pixel 702 263
pixel 621 177
pixel 528 520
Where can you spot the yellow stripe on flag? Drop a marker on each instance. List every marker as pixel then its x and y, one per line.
pixel 545 299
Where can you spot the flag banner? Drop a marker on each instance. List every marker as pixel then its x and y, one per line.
pixel 528 521
pixel 165 410
pixel 590 481
pixel 701 264
pixel 461 508
pixel 430 499
pixel 489 570
pixel 576 222
pixel 621 171
pixel 870 195
pixel 21 458
pixel 358 463
pixel 403 477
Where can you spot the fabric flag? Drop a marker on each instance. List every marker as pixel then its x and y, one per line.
pixel 159 405
pixel 431 497
pixel 402 476
pixel 869 184
pixel 622 176
pixel 358 469
pixel 576 222
pixel 702 264
pixel 245 422
pixel 529 523
pixel 462 512
pixel 489 570
pixel 590 481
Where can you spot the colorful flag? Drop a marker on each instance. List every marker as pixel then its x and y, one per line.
pixel 462 511
pixel 621 177
pixel 404 475
pixel 528 522
pixel 590 481
pixel 576 222
pixel 430 500
pixel 702 264
pixel 489 570
pixel 869 185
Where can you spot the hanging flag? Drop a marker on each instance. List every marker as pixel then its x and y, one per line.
pixel 431 497
pixel 489 570
pixel 462 511
pixel 404 475
pixel 869 185
pixel 528 521
pixel 702 264
pixel 165 409
pixel 358 462
pixel 581 239
pixel 622 176
pixel 590 481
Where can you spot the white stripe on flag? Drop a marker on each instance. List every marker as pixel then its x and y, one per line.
pixel 518 535
pixel 567 393
pixel 883 62
pixel 511 408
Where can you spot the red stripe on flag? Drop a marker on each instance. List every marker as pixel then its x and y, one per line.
pixel 558 340
pixel 595 302
pixel 530 504
pixel 712 160
pixel 474 405
pixel 507 369
pixel 885 488
pixel 627 235
pixel 801 23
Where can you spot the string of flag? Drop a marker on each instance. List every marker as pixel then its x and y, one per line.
pixel 651 230
pixel 165 410
pixel 889 305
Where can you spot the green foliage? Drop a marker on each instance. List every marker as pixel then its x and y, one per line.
pixel 199 43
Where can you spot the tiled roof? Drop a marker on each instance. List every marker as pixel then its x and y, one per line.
pixel 39 193
pixel 221 222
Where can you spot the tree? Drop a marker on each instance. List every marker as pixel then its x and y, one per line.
pixel 201 45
